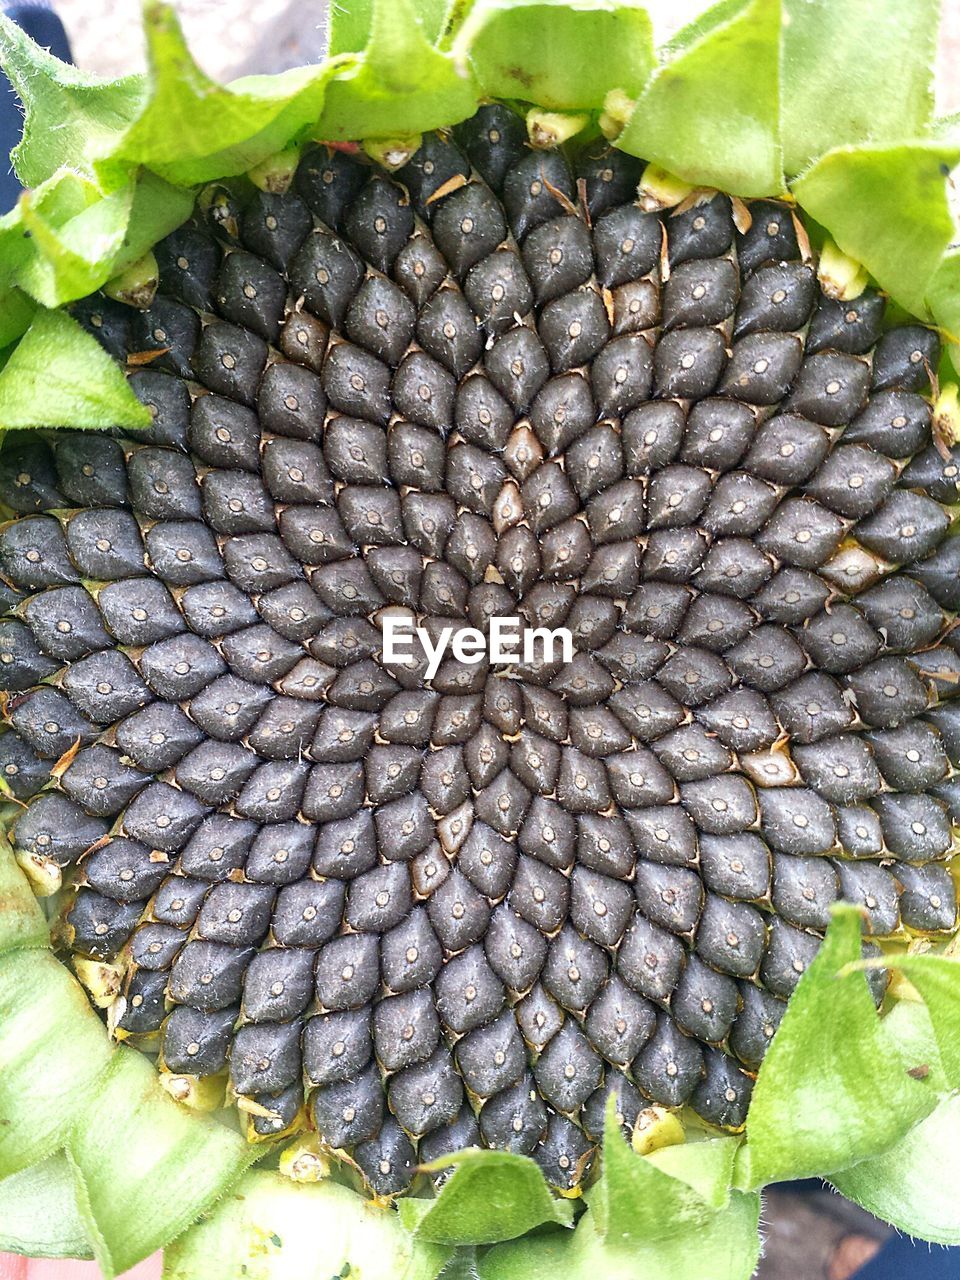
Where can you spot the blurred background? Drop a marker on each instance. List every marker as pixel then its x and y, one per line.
pixel 810 1232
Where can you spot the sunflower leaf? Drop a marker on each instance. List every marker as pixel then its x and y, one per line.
pixel 58 375
pixel 842 82
pixel 39 1215
pixel 490 1196
pixel 349 26
pixel 310 1230
pixel 16 312
pixel 886 206
pixel 81 241
pixel 937 978
pixel 71 116
pixel 556 55
pixel 22 922
pixel 914 1184
pixel 706 1167
pixel 52 1051
pixel 138 1194
pixel 401 85
pixel 943 299
pixel 192 129
pixel 724 1246
pixel 710 113
pixel 351 22
pixel 814 1105
pixel 635 1202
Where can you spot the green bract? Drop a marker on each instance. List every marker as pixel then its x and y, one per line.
pixel 825 102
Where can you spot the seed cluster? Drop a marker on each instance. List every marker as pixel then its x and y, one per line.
pixel 420 914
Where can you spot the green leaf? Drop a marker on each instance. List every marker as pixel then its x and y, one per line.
pixel 16 246
pixel 53 1048
pixel 39 1216
pixel 490 1196
pixel 462 1265
pixel 157 209
pixel 349 26
pixel 558 55
pixel 271 1229
pixel 897 1185
pixel 852 74
pixel 937 978
pixel 715 15
pixel 81 238
pixel 22 922
pixel 16 312
pixel 635 1202
pixel 71 116
pixel 59 376
pixel 943 298
pixel 706 1167
pixel 351 20
pixel 710 114
pixel 724 1246
pixel 439 18
pixel 914 1184
pixel 402 85
pixel 886 206
pixel 909 1025
pixel 815 1105
pixel 137 1194
pixel 73 231
pixel 193 130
